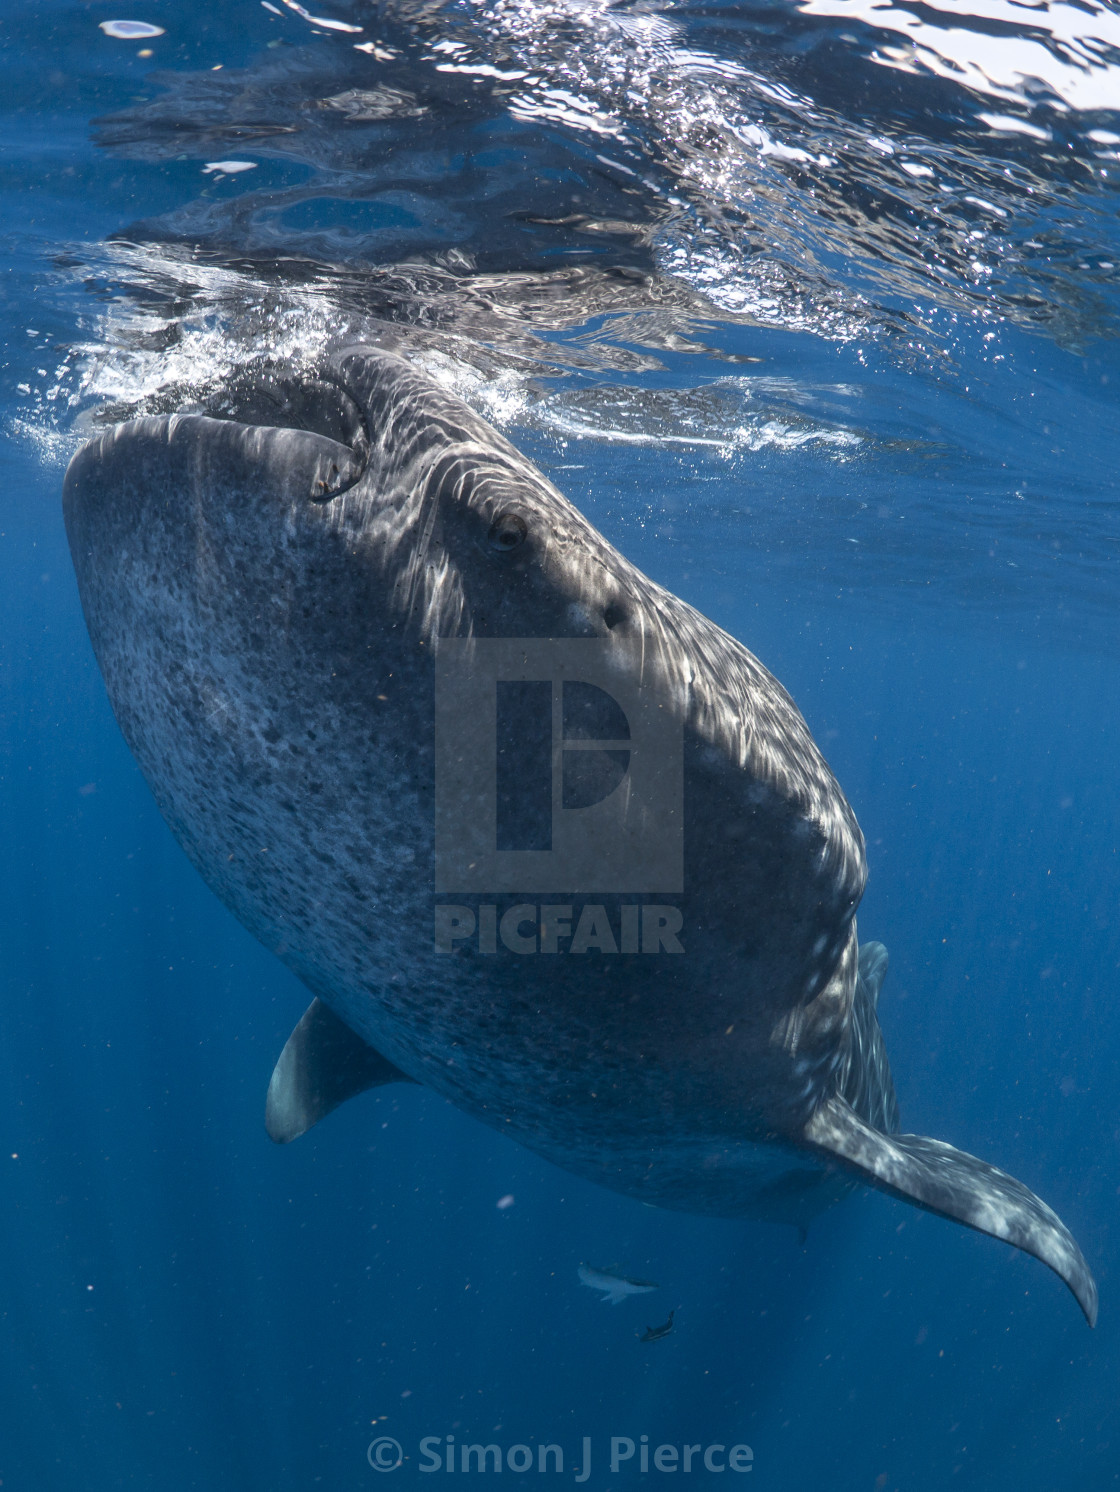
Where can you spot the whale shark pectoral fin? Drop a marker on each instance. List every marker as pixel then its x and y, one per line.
pixel 940 1179
pixel 873 963
pixel 322 1065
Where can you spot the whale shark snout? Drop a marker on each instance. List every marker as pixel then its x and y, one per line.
pixel 532 830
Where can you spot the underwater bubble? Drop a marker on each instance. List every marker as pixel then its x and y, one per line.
pixel 130 30
pixel 324 21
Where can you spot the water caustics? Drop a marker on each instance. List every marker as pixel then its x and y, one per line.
pixel 775 164
pixel 546 201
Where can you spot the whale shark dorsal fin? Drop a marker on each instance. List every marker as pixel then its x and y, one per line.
pixel 941 1179
pixel 873 963
pixel 322 1065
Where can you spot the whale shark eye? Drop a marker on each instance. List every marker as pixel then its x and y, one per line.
pixel 507 531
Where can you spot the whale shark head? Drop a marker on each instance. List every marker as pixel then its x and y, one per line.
pixel 254 563
pixel 265 582
pixel 360 483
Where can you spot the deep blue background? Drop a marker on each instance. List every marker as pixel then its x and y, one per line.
pixel 183 1305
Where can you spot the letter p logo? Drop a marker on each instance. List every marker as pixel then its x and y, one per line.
pixel 559 767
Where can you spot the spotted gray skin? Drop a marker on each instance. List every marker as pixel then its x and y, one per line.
pixel 266 585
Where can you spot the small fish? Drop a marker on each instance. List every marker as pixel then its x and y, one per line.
pixel 615 1287
pixel 655 1333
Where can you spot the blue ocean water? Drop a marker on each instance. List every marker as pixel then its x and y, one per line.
pixel 813 310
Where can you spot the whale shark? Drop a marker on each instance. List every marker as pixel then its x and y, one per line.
pixel 533 831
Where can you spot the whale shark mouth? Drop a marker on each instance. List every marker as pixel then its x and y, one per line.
pixel 276 395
